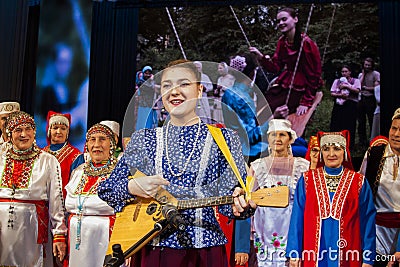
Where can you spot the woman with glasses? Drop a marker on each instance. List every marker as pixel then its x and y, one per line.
pixel 345 92
pixel 312 154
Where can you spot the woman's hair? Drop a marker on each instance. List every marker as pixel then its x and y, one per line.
pixel 297 35
pixel 251 65
pixel 187 64
pixel 347 67
pixel 370 60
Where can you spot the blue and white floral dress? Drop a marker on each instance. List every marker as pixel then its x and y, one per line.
pixel 207 174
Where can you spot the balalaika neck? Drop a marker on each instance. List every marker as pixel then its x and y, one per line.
pixel 204 202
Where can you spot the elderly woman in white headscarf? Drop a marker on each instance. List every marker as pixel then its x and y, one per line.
pixel 91 219
pixel 280 168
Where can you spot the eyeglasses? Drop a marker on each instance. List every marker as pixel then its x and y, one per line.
pixel 315 150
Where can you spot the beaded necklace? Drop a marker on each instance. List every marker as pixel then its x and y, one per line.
pixel 27 154
pixel 332 181
pixel 190 154
pixel 56 152
pixel 90 170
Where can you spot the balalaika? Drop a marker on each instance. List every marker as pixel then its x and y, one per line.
pixel 137 220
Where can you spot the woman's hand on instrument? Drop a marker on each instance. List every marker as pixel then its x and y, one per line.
pixel 240 205
pixel 301 110
pixel 254 50
pixel 146 186
pixel 241 258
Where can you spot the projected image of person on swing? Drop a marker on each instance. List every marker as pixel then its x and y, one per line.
pixel 297 59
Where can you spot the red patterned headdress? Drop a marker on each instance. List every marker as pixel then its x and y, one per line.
pixel 18 118
pixel 311 144
pixel 100 128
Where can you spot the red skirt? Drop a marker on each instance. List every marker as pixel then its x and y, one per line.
pixel 276 97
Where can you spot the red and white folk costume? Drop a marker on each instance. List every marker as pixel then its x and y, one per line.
pixel 30 195
pixel 65 153
pixel 91 219
pixel 333 217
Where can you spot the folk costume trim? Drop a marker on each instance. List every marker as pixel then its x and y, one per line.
pixel 334 209
pixel 316 210
pixel 322 192
pixel 60 154
pixel 341 194
pixel 87 186
pixel 18 168
pixel 90 170
pixel 31 153
pixel 160 147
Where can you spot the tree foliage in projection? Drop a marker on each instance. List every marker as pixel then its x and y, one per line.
pixel 211 33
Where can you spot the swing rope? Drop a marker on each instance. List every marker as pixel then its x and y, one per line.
pixel 298 57
pixel 329 32
pixel 248 42
pixel 240 26
pixel 176 33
